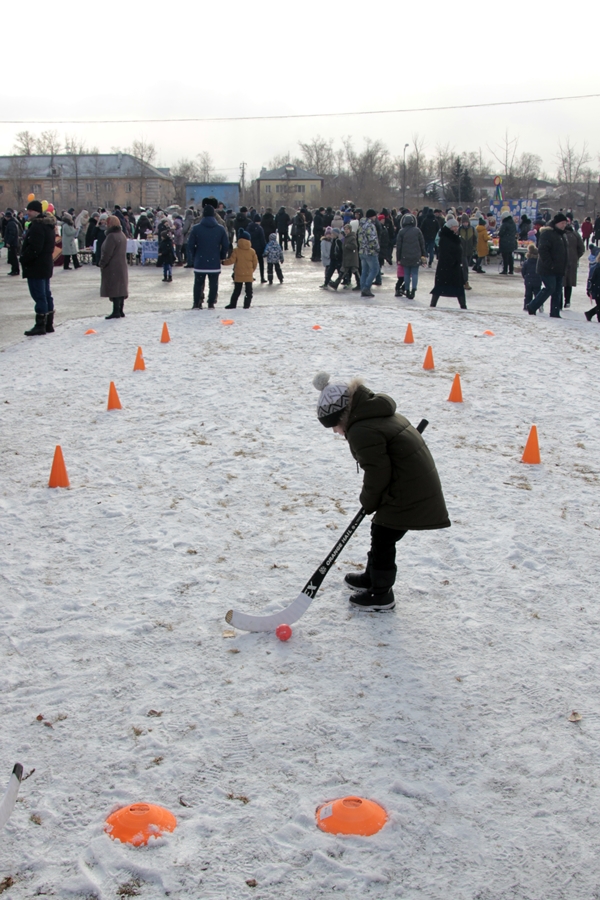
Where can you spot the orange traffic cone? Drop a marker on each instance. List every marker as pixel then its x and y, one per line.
pixel 408 337
pixel 58 473
pixel 113 397
pixel 531 454
pixel 455 391
pixel 165 336
pixel 139 364
pixel 428 362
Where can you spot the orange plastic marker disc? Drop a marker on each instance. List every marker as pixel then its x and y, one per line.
pixel 91 331
pixel 351 815
pixel 227 322
pixel 316 327
pixel 137 823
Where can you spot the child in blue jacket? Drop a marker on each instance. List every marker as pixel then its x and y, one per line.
pixel 274 255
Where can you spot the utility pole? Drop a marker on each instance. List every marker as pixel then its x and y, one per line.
pixel 243 171
pixel 404 176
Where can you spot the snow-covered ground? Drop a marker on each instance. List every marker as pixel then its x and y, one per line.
pixel 216 487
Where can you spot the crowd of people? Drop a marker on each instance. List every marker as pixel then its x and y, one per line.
pixel 352 245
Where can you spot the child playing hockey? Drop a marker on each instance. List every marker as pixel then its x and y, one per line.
pixel 274 255
pixel 400 483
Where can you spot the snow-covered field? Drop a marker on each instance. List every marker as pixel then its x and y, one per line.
pixel 214 487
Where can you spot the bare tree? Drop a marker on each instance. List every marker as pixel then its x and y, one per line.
pixel 18 173
pixel 444 155
pixel 144 153
pixel 206 170
pixel 318 156
pixel 571 165
pixel 75 148
pixel 370 172
pixel 25 144
pixel 506 155
pixel 48 144
pixel 415 164
pixel 183 171
pixel 526 172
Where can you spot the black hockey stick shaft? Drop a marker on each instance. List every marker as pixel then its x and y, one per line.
pixel 314 583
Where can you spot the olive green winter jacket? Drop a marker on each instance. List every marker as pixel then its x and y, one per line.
pixel 401 484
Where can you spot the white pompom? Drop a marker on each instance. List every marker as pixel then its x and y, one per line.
pixel 321 380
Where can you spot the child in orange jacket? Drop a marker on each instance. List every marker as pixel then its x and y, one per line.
pixel 244 261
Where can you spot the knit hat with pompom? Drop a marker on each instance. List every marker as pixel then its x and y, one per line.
pixel 333 400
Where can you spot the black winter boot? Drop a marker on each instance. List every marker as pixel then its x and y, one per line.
pixel 39 327
pixel 380 595
pixel 50 322
pixel 121 305
pixel 359 579
pixel 434 299
pixel 115 314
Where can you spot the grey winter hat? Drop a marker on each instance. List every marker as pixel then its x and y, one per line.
pixel 333 400
pixel 408 219
pixel 451 222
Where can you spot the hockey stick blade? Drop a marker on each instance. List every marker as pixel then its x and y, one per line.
pixel 10 796
pixel 298 607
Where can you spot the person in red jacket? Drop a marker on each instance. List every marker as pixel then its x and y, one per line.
pixel 587 229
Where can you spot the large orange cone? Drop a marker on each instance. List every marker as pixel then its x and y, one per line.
pixel 456 391
pixel 428 361
pixel 165 336
pixel 137 823
pixel 531 454
pixel 139 364
pixel 58 473
pixel 408 337
pixel 113 397
pixel 351 815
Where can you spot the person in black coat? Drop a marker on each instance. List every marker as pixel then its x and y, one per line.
pixel 308 217
pixel 282 221
pixel 258 241
pixel 38 265
pixel 449 277
pixel 552 265
pixel 508 243
pixel 267 223
pixel 142 226
pixel 91 230
pixel 241 220
pixel 429 229
pixel 11 241
pixel 299 232
pixel 318 231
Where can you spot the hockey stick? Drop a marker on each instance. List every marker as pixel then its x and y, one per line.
pixel 10 797
pixel 298 607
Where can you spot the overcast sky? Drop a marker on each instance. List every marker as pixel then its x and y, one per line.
pixel 134 61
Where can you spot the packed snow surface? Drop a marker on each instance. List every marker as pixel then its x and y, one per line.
pixel 215 487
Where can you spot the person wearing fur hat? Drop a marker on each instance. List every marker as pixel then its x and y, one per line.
pixel 69 242
pixel 114 282
pixel 37 265
pixel 533 281
pixel 449 276
pixel 400 486
pixel 206 248
pixel 410 250
pixel 244 261
pixel 553 258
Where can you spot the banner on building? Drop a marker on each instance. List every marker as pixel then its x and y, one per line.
pixel 516 209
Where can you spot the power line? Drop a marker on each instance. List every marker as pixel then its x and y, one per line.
pixel 328 115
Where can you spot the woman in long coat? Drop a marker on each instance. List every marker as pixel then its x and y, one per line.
pixel 113 264
pixel 575 250
pixel 449 275
pixel 507 243
pixel 69 242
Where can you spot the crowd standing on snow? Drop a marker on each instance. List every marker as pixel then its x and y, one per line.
pixel 352 245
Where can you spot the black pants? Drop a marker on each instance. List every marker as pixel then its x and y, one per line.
pixel 507 263
pixel 316 251
pixel 330 272
pixel 299 241
pixel 382 555
pixel 213 287
pixel 13 260
pixel 307 235
pixel 283 239
pixel 67 260
pixel 261 266
pixel 237 290
pixel 568 289
pixel 277 270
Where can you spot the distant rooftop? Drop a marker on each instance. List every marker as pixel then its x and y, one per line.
pixel 89 165
pixel 288 171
